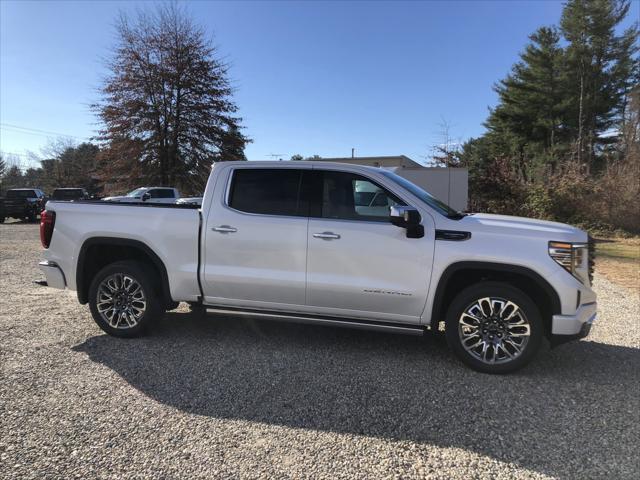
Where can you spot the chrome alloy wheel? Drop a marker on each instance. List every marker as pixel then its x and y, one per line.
pixel 494 330
pixel 121 301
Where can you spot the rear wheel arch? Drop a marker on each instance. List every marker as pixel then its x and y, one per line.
pixel 98 252
pixel 460 275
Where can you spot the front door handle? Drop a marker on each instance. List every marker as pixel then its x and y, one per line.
pixel 224 229
pixel 326 236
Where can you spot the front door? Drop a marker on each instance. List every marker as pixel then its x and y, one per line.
pixel 358 263
pixel 255 249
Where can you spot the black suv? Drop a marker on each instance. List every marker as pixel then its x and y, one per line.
pixel 24 203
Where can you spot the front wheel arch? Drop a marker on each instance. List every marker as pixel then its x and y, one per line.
pixel 461 275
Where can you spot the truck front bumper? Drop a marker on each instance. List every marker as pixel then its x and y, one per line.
pixel 53 273
pixel 565 328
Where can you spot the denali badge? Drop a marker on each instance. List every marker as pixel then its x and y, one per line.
pixel 387 292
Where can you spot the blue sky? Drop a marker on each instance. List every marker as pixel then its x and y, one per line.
pixel 310 77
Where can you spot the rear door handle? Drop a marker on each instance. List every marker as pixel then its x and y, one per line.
pixel 224 229
pixel 327 235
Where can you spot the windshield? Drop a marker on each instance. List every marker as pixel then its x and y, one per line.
pixel 137 192
pixel 439 206
pixel 21 194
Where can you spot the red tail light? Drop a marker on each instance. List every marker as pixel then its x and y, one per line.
pixel 47 222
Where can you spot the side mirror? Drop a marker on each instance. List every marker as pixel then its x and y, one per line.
pixel 408 218
pixel 145 197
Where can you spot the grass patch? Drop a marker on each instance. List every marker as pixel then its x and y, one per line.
pixel 619 248
pixel 618 259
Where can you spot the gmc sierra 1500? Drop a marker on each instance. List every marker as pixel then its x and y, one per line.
pixel 329 244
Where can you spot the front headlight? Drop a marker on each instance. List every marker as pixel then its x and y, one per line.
pixel 573 257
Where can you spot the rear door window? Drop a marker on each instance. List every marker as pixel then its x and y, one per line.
pixel 269 191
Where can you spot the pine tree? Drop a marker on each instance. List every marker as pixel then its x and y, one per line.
pixel 531 97
pixel 600 67
pixel 529 118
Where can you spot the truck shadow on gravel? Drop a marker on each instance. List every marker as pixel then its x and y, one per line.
pixel 570 413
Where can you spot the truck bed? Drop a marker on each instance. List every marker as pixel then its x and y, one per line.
pixel 170 231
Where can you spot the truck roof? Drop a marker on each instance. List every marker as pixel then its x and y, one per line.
pixel 293 163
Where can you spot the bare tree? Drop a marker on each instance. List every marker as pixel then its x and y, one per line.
pixel 446 152
pixel 166 108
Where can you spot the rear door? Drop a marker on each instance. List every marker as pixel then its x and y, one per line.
pixel 255 247
pixel 358 263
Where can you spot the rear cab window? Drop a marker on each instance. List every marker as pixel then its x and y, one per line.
pixel 161 193
pixel 69 194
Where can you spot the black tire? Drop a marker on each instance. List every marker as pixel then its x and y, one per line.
pixel 494 326
pixel 2 219
pixel 153 308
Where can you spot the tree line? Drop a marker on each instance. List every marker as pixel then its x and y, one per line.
pixel 563 142
pixel 65 165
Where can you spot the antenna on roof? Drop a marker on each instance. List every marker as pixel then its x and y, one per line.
pixel 276 156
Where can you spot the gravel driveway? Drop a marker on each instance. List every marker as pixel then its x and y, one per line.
pixel 227 397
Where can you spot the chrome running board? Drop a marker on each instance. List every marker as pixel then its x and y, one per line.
pixel 360 324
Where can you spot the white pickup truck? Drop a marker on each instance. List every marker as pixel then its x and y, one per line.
pixel 147 194
pixel 305 241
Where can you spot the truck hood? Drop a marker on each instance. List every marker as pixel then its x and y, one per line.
pixel 510 225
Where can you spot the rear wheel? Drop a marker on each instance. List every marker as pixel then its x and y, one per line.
pixel 123 300
pixel 494 327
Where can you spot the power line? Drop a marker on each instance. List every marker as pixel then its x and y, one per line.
pixel 37 131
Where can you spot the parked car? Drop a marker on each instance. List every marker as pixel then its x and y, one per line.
pixel 148 194
pixel 70 193
pixel 23 203
pixel 189 201
pixel 288 241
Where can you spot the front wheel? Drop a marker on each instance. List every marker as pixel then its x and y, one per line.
pixel 494 327
pixel 123 300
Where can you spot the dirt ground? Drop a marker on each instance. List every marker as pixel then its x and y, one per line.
pixel 224 397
